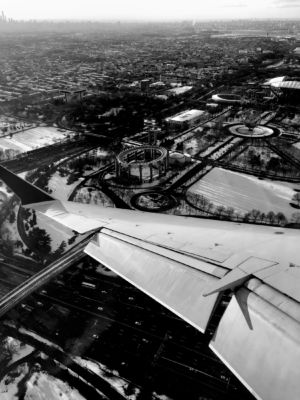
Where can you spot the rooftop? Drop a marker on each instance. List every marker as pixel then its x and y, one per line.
pixel 186 115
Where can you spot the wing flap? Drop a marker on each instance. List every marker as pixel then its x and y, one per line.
pixel 175 285
pixel 257 340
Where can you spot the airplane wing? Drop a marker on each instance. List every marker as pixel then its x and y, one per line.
pixel 186 264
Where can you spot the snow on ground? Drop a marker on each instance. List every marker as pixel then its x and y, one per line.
pixel 33 138
pixel 36 336
pixel 180 90
pixel 101 370
pixel 161 397
pixel 23 174
pixel 9 384
pixel 3 189
pixel 19 350
pixel 100 269
pixel 42 386
pixel 94 196
pixel 60 189
pixel 10 230
pixel 297 145
pixel 245 192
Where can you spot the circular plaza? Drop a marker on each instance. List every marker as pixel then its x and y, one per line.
pixel 143 164
pixel 153 201
pixel 255 132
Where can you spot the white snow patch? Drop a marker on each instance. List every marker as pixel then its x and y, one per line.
pixel 37 337
pixel 180 90
pixel 42 386
pixel 33 138
pixel 297 145
pixel 101 370
pixel 59 187
pixel 9 385
pixel 245 192
pixel 19 350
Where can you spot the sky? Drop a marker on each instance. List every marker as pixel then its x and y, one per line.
pixel 149 9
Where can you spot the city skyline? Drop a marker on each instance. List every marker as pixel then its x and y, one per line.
pixel 133 10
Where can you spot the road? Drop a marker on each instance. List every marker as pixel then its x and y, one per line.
pixel 41 278
pixel 200 168
pixel 96 381
pixel 122 325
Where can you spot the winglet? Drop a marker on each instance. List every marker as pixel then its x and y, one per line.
pixel 27 193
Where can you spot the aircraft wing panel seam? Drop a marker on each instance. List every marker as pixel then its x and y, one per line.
pixel 183 257
pixel 179 251
pixel 171 254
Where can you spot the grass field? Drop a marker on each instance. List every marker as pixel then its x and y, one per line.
pixel 245 192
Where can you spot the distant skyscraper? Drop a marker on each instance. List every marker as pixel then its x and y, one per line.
pixel 3 17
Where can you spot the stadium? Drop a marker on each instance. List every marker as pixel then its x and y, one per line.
pixel 285 87
pixel 226 98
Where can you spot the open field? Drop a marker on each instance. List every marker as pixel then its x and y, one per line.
pixel 245 192
pixel 32 139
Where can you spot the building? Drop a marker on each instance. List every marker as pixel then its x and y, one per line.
pixel 297 52
pixel 71 95
pixel 185 119
pixel 177 91
pixel 288 88
pixel 140 165
pixel 225 98
pixel 145 85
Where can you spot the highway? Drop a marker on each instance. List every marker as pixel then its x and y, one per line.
pixel 41 278
pixel 117 325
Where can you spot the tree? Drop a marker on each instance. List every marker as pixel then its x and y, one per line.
pixel 19 244
pixel 34 217
pixel 281 218
pixel 296 198
pixel 262 217
pixel 229 212
pixel 273 164
pixel 295 218
pixel 238 216
pixel 209 207
pixel 255 214
pixel 73 238
pixel 202 202
pixel 220 210
pixel 12 217
pixel 39 241
pixel 246 217
pixel 255 161
pixel 271 217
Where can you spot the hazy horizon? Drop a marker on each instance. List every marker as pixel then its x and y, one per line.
pixel 154 11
